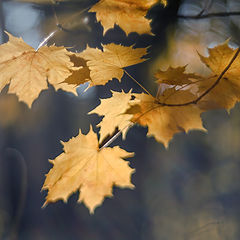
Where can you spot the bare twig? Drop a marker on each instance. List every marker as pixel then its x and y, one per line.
pixel 195 101
pixel 209 15
pixel 207 6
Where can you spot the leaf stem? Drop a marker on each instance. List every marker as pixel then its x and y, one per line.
pixel 115 136
pixel 139 84
pixel 45 40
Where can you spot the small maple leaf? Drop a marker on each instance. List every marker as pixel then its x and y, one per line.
pixel 92 171
pixel 226 93
pixel 27 70
pixel 109 63
pixel 164 121
pixel 176 76
pixel 128 14
pixel 113 109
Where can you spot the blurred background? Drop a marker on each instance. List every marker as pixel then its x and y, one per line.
pixel 189 192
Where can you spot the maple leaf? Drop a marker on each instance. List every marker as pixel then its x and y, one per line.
pixel 27 70
pixel 223 95
pixel 226 93
pixel 176 76
pixel 92 171
pixel 164 121
pixel 113 109
pixel 109 63
pixel 128 14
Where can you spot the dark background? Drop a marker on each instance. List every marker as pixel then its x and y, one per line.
pixel 189 192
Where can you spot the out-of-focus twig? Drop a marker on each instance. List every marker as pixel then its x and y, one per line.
pixel 209 15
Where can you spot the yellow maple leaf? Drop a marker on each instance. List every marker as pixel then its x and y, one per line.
pixel 176 76
pixel 223 95
pixel 113 109
pixel 227 92
pixel 164 121
pixel 219 57
pixel 128 14
pixel 92 171
pixel 27 71
pixel 109 63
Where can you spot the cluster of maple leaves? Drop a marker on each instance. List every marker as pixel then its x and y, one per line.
pixel 83 165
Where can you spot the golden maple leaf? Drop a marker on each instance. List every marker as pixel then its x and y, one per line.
pixel 164 121
pixel 128 14
pixel 109 63
pixel 226 93
pixel 113 109
pixel 176 76
pixel 92 171
pixel 223 95
pixel 27 70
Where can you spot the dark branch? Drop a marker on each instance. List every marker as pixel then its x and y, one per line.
pixel 195 101
pixel 209 15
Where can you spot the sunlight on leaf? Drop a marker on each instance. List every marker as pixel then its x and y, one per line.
pixel 28 71
pixel 92 171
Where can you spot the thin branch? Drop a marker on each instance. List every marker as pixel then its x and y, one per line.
pixel 115 136
pixel 209 15
pixel 54 13
pixel 63 26
pixel 195 101
pixel 59 26
pixel 139 84
pixel 207 6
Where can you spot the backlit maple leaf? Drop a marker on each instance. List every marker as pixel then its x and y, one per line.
pixel 223 95
pixel 27 71
pixel 113 109
pixel 109 63
pixel 227 92
pixel 128 14
pixel 92 171
pixel 164 121
pixel 176 76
